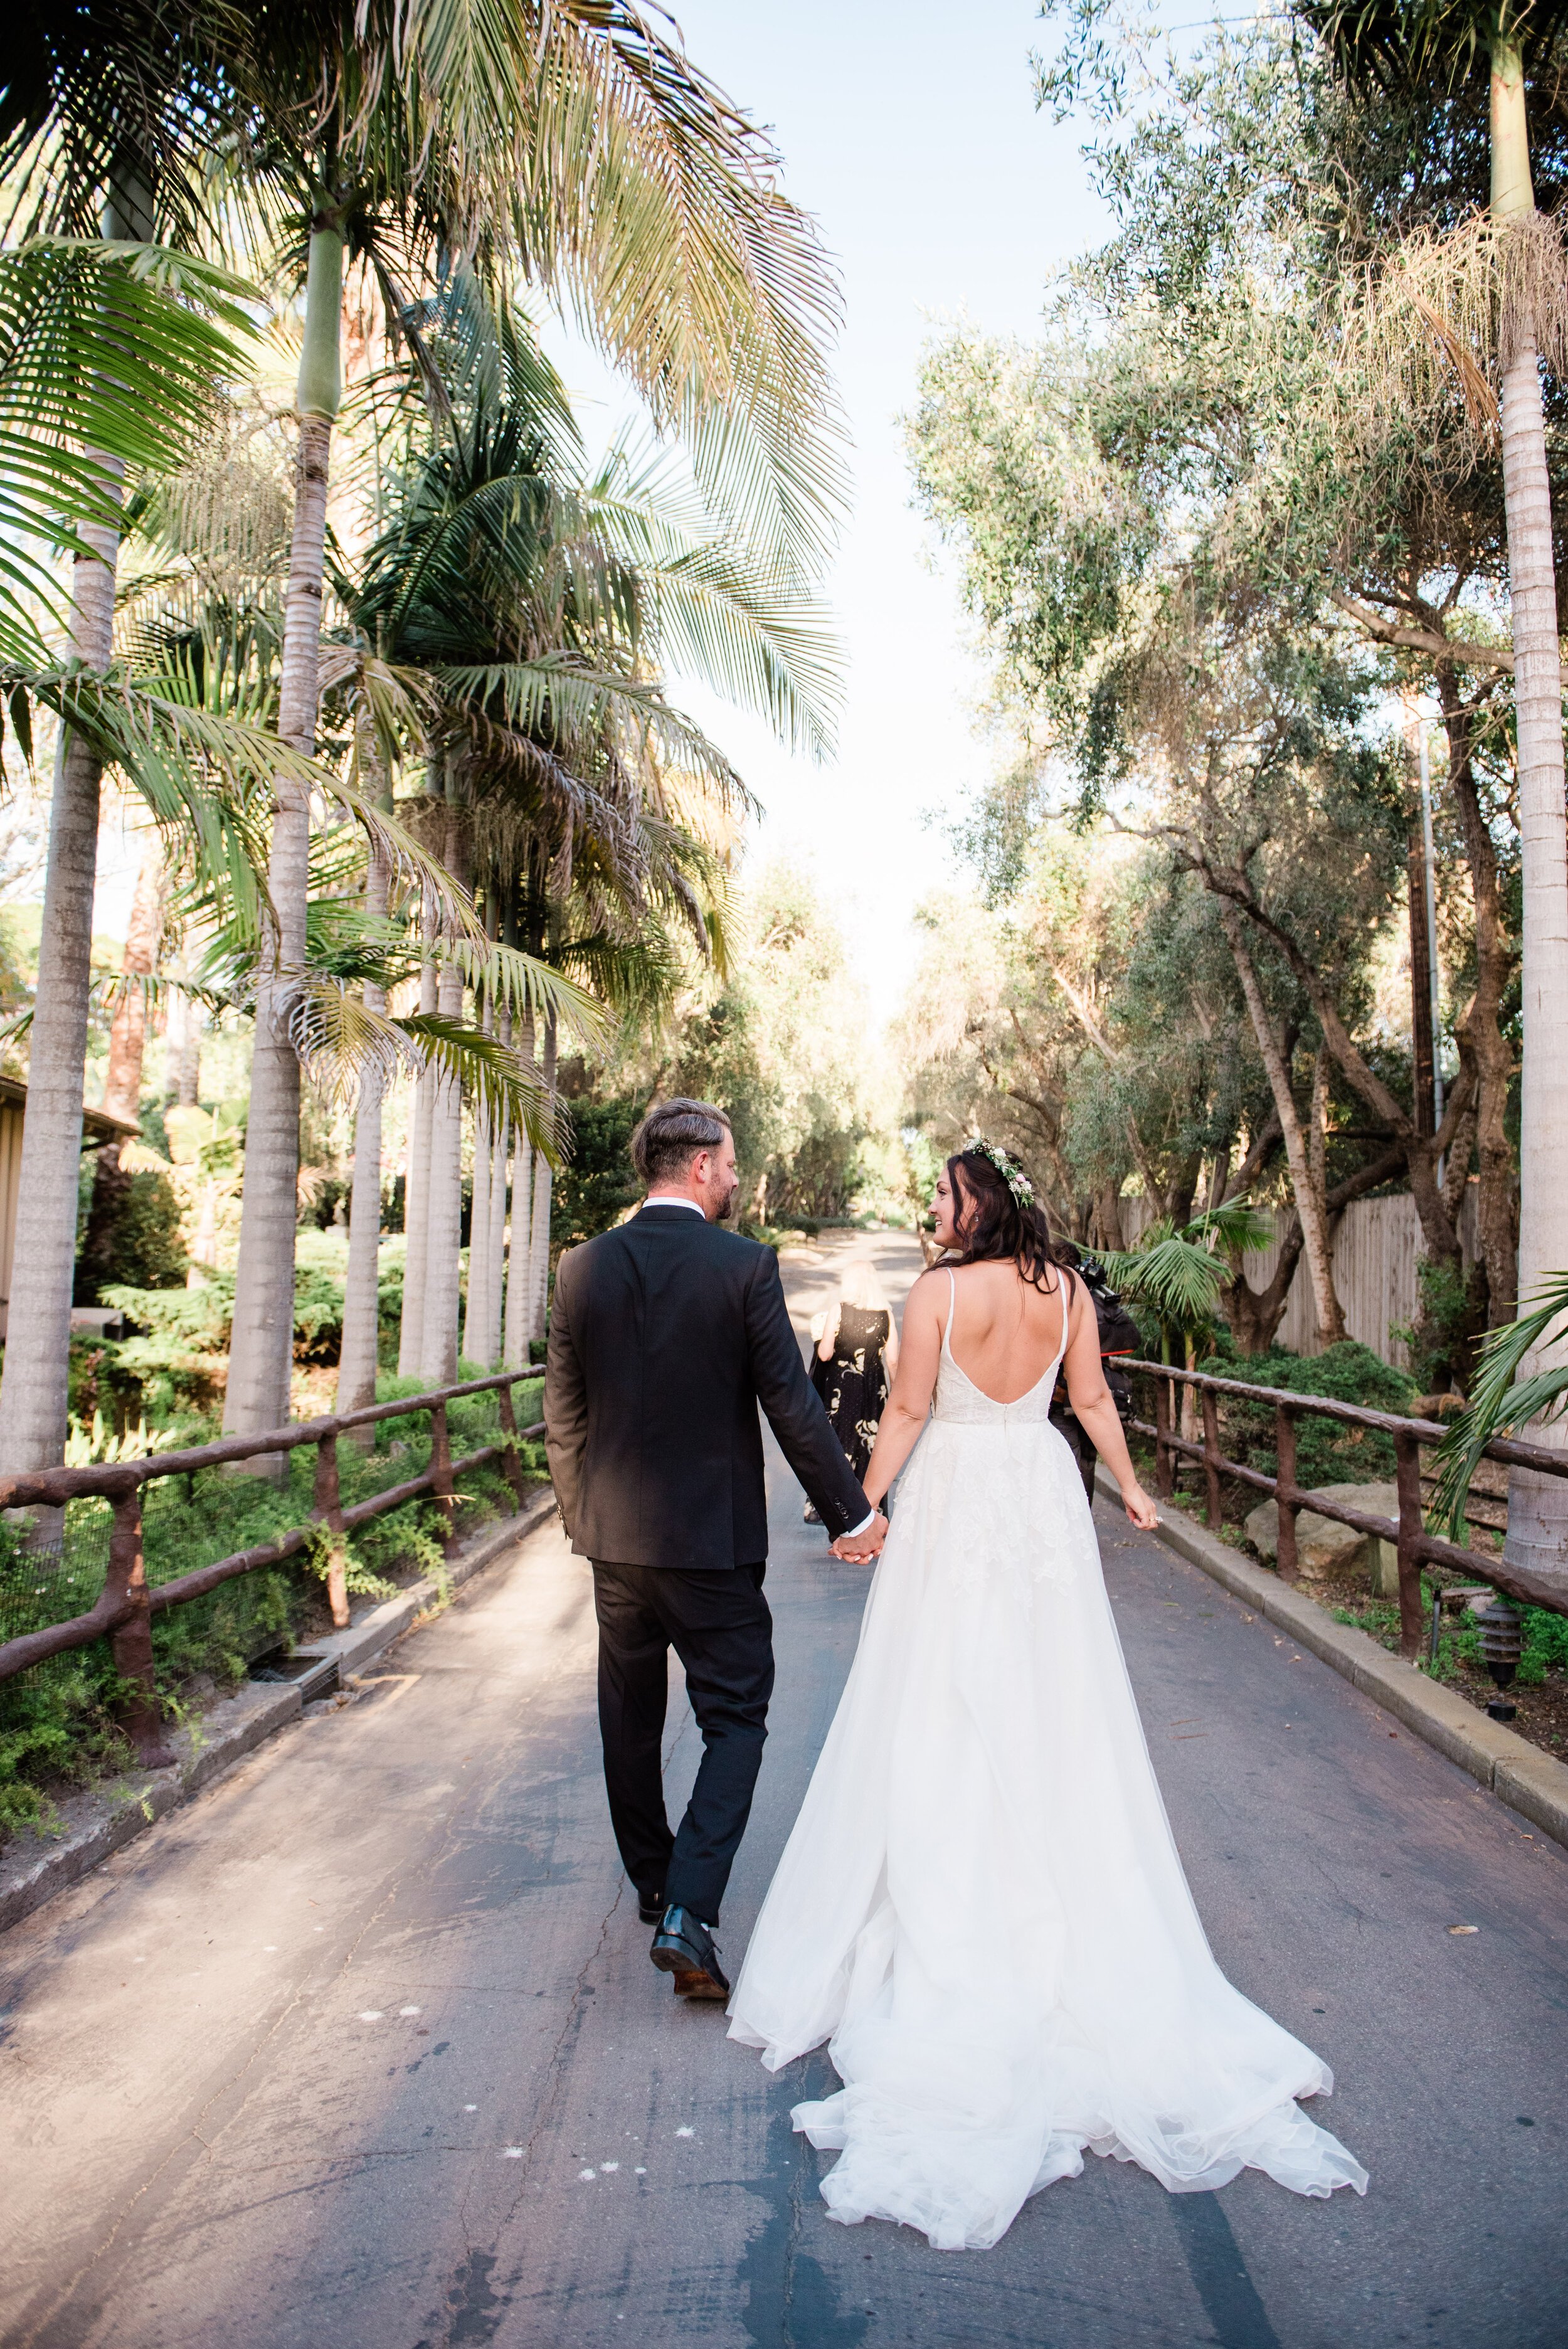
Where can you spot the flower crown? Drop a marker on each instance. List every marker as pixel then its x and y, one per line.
pixel 1016 1179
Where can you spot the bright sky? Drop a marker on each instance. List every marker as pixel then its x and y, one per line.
pixel 909 128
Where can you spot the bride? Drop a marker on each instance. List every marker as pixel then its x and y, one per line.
pixel 981 1907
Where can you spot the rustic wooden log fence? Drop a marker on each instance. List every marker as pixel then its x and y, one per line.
pixel 1414 1545
pixel 126 1605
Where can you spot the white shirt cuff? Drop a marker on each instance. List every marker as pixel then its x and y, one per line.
pixel 863 1527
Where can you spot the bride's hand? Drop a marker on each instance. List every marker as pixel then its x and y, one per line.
pixel 1140 1508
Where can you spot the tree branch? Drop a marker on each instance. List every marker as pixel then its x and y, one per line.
pixel 1421 640
pixel 1091 1026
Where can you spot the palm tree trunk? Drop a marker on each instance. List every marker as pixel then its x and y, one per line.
pixel 34 1412
pixel 478 1239
pixel 514 1340
pixel 1537 1506
pixel 416 1204
pixel 474 1343
pixel 1479 1028
pixel 444 1213
pixel 519 1261
pixel 260 1354
pixel 443 1263
pixel 361 1303
pixel 127 1034
pixel 538 1237
pixel 495 1259
pixel 188 1074
pixel 1307 1192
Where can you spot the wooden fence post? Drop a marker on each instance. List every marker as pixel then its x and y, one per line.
pixel 1412 1524
pixel 510 1465
pixel 328 1507
pixel 1212 1455
pixel 1285 1476
pixel 1164 1478
pixel 132 1642
pixel 441 1469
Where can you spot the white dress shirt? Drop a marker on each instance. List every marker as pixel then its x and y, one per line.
pixel 674 1199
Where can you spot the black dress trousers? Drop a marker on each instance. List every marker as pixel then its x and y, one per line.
pixel 718 1623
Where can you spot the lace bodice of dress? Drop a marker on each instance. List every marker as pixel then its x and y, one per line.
pixel 959 1398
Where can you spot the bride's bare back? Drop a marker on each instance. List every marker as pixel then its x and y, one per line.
pixel 1006 1332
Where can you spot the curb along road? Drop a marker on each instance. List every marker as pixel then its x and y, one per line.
pixel 34 1868
pixel 1518 1773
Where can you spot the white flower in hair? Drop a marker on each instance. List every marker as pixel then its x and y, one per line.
pixel 1014 1176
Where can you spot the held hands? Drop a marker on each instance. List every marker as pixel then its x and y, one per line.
pixel 1140 1508
pixel 859 1549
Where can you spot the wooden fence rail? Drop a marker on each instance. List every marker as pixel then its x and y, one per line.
pixel 1414 1545
pixel 126 1605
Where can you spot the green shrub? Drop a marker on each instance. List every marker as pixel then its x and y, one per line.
pixel 148 1252
pixel 597 1183
pixel 1326 1453
pixel 1545 1645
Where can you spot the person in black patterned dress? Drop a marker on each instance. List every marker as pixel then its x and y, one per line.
pixel 853 1361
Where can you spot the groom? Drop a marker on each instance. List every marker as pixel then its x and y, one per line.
pixel 664 1335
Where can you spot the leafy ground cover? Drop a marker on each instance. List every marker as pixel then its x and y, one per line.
pixel 57 1723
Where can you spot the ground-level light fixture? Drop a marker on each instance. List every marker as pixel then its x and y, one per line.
pixel 1501 1641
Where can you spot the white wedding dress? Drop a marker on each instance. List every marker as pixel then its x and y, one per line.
pixel 981 1907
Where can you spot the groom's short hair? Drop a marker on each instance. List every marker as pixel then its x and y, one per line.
pixel 672 1133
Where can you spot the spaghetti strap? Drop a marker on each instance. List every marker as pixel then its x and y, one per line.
pixel 1065 1278
pixel 951 1301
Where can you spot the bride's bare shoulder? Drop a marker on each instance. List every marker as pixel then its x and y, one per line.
pixel 929 1293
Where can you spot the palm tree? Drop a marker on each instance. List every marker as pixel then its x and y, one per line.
pixel 1386 46
pixel 1179 1273
pixel 575 139
pixel 359 1353
pixel 110 356
pixel 540 599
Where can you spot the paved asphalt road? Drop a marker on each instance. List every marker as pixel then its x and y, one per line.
pixel 364 2049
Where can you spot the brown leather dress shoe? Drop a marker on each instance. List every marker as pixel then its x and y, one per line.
pixel 683 1947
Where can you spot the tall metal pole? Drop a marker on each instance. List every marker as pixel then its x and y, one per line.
pixel 1432 934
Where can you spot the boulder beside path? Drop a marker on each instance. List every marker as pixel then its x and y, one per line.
pixel 1324 1547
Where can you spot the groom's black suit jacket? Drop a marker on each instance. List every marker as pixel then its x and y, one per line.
pixel 664 1335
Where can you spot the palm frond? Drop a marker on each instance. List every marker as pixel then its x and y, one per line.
pixel 111 357
pixel 340 1041
pixel 558 692
pixel 1237 1228
pixel 520 983
pixel 1178 1282
pixel 1500 1401
pixel 742 625
pixel 505 1086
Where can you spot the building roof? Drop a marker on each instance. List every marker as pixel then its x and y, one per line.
pixel 97 1123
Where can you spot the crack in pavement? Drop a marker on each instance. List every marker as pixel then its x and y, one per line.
pixel 555 2069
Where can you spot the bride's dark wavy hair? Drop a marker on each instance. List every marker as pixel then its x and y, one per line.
pixel 1005 1230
